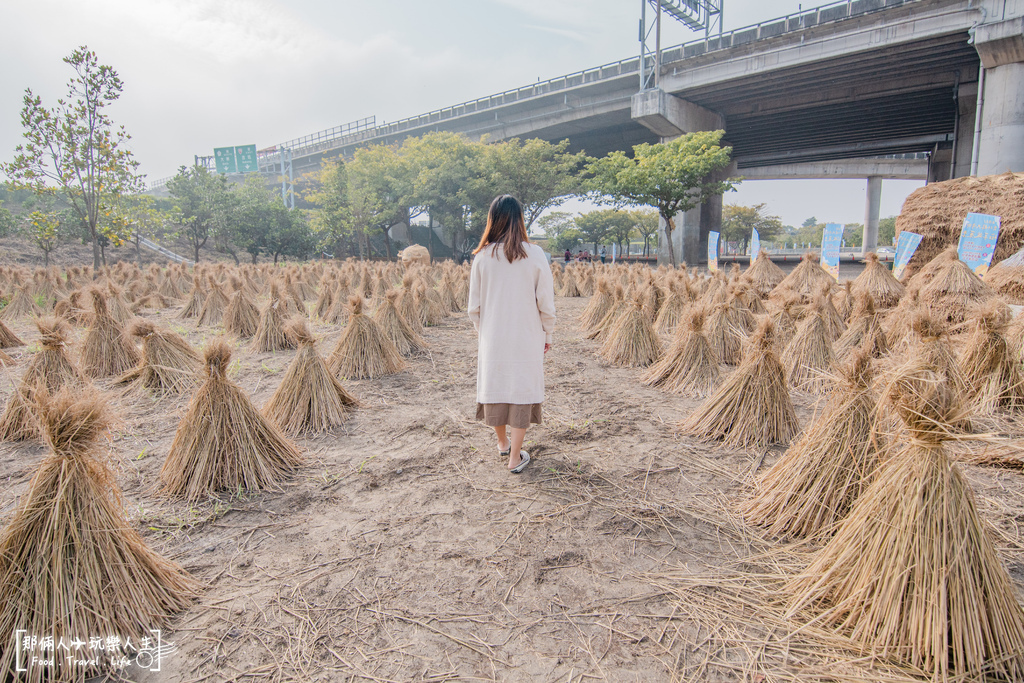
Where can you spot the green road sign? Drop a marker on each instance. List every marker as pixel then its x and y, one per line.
pixel 224 157
pixel 245 156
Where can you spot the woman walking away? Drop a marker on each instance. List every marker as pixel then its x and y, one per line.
pixel 512 305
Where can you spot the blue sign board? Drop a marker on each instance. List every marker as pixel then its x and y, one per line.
pixel 906 245
pixel 831 238
pixel 713 251
pixel 978 241
pixel 755 244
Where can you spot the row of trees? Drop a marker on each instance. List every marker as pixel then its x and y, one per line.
pixel 604 226
pixel 75 159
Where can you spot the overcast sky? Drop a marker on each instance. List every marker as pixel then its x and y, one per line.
pixel 200 74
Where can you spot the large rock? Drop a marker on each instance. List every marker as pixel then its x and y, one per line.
pixel 415 253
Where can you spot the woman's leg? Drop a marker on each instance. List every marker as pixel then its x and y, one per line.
pixel 518 436
pixel 502 442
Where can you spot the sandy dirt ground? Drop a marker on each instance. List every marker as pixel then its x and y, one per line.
pixel 404 550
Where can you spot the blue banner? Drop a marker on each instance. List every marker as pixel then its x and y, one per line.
pixel 713 251
pixel 831 238
pixel 906 245
pixel 978 241
pixel 755 244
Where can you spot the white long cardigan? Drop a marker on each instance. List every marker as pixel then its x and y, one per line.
pixel 512 306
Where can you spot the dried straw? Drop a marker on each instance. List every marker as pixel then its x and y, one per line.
pixel 270 334
pixel 817 480
pixel 989 364
pixel 395 327
pixel 954 289
pixel 363 351
pixel 106 350
pixel 865 329
pixel 690 367
pixel 752 407
pixel 20 305
pixel 879 282
pixel 597 307
pixel 809 357
pixel 223 442
pixel 70 567
pixel 196 297
pixel 213 306
pixel 632 341
pixel 168 363
pixel 309 399
pixel 241 317
pixel 764 275
pixel 912 574
pixel 725 337
pixel 8 339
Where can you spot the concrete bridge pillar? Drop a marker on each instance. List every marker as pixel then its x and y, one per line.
pixel 1000 145
pixel 871 210
pixel 669 117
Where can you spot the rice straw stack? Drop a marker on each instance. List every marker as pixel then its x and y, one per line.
pixel 224 443
pixel 690 367
pixel 20 305
pixel 241 317
pixel 752 407
pixel 865 329
pixel 631 341
pixel 71 568
pixel 270 334
pixel 168 363
pixel 725 338
pixel 196 297
pixel 764 275
pixel 616 308
pixel 106 350
pixel 363 351
pixel 989 364
pixel 954 289
pixel 597 307
pixel 911 574
pixel 879 282
pixel 8 339
pixel 817 480
pixel 673 308
pixel 808 358
pixel 395 327
pixel 569 286
pixel 1008 281
pixel 309 398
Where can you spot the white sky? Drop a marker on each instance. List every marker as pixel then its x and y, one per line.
pixel 201 74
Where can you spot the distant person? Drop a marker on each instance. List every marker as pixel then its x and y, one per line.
pixel 604 254
pixel 568 256
pixel 512 306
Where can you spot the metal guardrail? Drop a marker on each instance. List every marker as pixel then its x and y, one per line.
pixel 153 246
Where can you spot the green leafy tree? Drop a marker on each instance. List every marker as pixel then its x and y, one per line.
pixel 136 218
pixel 853 234
pixel 331 220
pixel 809 222
pixel 381 187
pixel 672 177
pixel 645 223
pixel 887 231
pixel 560 229
pixel 7 222
pixel 738 222
pixel 536 172
pixel 606 225
pixel 809 236
pixel 43 228
pixel 202 205
pixel 74 149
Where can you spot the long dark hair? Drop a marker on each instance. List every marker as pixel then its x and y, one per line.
pixel 505 224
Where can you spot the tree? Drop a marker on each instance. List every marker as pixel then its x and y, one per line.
pixel 331 221
pixel 853 234
pixel 7 222
pixel 536 172
pixel 74 148
pixel 43 228
pixel 593 227
pixel 738 222
pixel 560 229
pixel 138 217
pixel 381 191
pixel 672 177
pixel 613 225
pixel 202 204
pixel 809 222
pixel 645 222
pixel 887 231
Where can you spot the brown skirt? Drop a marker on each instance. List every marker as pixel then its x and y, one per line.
pixel 514 415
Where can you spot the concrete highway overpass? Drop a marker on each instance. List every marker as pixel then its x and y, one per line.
pixel 853 89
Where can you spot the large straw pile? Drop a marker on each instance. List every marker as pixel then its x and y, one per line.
pixel 70 567
pixel 223 442
pixel 309 398
pixel 937 211
pixel 912 574
pixel 752 408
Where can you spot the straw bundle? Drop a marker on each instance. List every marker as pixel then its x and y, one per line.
pixel 764 275
pixel 911 574
pixel 879 282
pixel 168 288
pixel 954 289
pixel 106 350
pixel 325 300
pixel 865 329
pixel 834 322
pixel 809 357
pixel 8 339
pixel 395 327
pixel 223 442
pixel 428 302
pixel 337 314
pixel 20 305
pixel 806 279
pixel 725 338
pixel 241 317
pixel 673 308
pixel 196 297
pixel 1007 280
pixel 690 367
pixel 309 398
pixel 70 567
pixel 632 341
pixel 817 480
pixel 785 325
pixel 213 307
pixel 363 351
pixel 752 407
pixel 843 300
pixel 270 334
pixel 597 307
pixel 989 364
pixel 569 286
pixel 168 363
pixel 117 306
